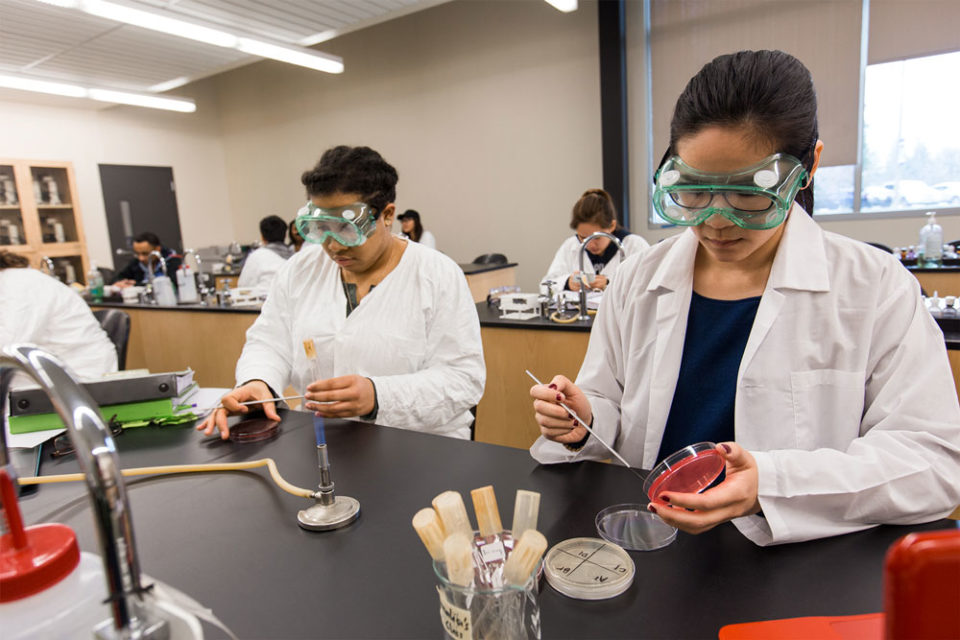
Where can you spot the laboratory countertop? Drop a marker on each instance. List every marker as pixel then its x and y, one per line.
pixel 231 540
pixel 490 317
pixel 115 303
pixel 472 268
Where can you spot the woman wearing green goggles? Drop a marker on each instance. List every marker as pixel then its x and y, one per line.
pixel 807 356
pixel 757 197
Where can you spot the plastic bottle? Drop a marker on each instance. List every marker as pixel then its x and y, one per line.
pixel 95 283
pixel 163 291
pixel 48 589
pixel 932 240
pixel 186 285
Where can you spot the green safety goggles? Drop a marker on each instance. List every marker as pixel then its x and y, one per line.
pixel 757 197
pixel 349 225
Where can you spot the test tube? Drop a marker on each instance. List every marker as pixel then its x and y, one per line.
pixel 453 513
pixel 524 558
pixel 458 552
pixel 428 526
pixel 485 506
pixel 526 508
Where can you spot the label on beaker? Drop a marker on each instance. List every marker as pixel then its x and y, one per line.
pixel 456 621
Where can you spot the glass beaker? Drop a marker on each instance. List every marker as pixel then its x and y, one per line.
pixel 480 612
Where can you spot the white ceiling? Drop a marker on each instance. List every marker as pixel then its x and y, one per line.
pixel 47 42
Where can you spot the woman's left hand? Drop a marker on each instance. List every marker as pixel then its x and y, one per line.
pixel 736 496
pixel 343 397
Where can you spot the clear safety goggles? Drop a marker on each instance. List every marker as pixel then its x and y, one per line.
pixel 349 225
pixel 757 197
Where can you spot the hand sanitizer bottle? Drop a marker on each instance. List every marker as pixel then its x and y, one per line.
pixel 932 235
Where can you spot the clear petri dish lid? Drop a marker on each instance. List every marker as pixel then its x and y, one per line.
pixel 254 430
pixel 634 528
pixel 588 568
pixel 690 470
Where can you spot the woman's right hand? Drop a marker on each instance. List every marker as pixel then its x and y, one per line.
pixel 253 390
pixel 573 282
pixel 555 423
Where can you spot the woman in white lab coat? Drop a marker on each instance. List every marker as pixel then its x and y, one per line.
pixel 808 356
pixel 593 212
pixel 392 324
pixel 41 310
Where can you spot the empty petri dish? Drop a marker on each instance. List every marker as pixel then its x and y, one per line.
pixel 634 528
pixel 254 430
pixel 690 470
pixel 588 568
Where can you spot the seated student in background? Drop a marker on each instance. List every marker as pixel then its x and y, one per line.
pixel 263 263
pixel 137 270
pixel 39 309
pixel 393 324
pixel 412 229
pixel 809 356
pixel 296 240
pixel 593 212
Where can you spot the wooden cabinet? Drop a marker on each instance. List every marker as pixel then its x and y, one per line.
pixel 40 216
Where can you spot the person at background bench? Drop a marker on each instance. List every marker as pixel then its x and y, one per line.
pixel 43 311
pixel 393 324
pixel 412 229
pixel 296 241
pixel 262 264
pixel 137 270
pixel 593 212
pixel 809 356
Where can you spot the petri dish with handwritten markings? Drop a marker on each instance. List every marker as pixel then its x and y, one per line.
pixel 588 569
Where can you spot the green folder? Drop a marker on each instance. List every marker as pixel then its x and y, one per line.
pixel 129 412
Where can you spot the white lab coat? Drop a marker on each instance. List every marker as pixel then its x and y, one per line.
pixel 427 239
pixel 39 309
pixel 259 269
pixel 567 259
pixel 416 335
pixel 844 393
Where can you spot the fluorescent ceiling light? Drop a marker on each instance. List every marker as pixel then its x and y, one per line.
pixel 42 86
pixel 141 100
pixel 103 95
pixel 318 61
pixel 169 84
pixel 157 21
pixel 563 5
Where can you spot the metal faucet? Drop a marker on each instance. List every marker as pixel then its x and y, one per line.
pixel 202 278
pixel 151 289
pixel 96 453
pixel 583 279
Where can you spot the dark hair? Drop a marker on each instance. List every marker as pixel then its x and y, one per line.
pixel 360 170
pixel 148 236
pixel 414 215
pixel 10 260
pixel 596 207
pixel 273 229
pixel 294 234
pixel 771 92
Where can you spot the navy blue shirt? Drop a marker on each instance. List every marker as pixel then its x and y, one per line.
pixel 702 408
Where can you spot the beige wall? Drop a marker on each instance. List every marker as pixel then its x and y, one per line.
pixel 190 143
pixel 489 110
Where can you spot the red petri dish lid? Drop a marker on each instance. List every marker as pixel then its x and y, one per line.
pixel 690 470
pixel 254 430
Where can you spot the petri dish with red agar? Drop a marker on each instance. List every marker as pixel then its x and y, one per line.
pixel 254 430
pixel 690 470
